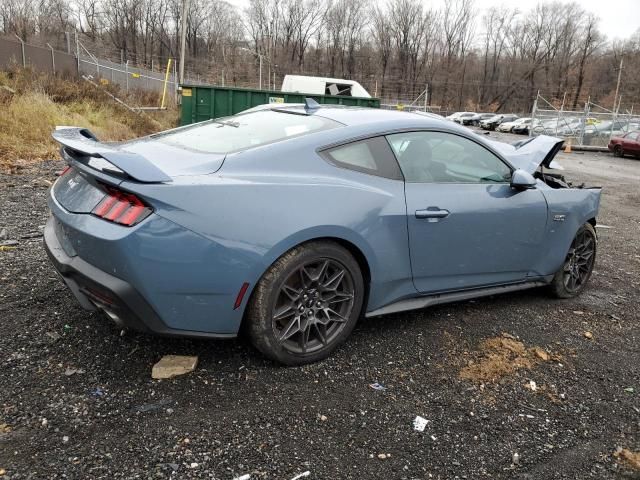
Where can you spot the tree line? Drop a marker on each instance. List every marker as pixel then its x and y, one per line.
pixel 465 58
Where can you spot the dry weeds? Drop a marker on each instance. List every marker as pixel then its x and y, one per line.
pixel 31 105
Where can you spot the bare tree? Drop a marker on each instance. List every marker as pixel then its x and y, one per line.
pixel 591 40
pixel 457 29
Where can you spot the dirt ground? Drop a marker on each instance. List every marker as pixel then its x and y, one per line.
pixel 511 386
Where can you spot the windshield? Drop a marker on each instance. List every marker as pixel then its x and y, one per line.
pixel 243 131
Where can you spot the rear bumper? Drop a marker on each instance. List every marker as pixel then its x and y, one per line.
pixel 97 290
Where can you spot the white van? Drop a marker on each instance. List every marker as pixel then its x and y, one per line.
pixel 323 86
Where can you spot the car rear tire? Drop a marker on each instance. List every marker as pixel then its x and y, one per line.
pixel 576 270
pixel 618 151
pixel 306 304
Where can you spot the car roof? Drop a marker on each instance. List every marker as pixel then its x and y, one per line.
pixel 360 115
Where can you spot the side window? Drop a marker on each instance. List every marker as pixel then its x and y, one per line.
pixel 372 156
pixel 631 136
pixel 436 157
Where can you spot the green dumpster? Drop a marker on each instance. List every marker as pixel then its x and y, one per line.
pixel 204 102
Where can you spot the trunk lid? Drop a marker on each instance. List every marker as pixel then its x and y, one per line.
pixel 144 160
pixel 532 153
pixel 96 165
pixel 77 192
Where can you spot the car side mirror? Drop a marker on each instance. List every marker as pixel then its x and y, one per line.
pixel 522 180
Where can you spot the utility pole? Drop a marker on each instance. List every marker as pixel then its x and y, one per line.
pixel 183 36
pixel 426 96
pixel 617 84
pixel 260 65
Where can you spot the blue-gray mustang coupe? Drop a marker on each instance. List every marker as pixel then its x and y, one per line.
pixel 290 222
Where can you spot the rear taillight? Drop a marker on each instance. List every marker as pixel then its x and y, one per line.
pixel 120 207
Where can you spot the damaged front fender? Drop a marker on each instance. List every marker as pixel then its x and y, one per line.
pixel 568 209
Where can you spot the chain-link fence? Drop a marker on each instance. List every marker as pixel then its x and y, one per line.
pixel 592 126
pixel 130 77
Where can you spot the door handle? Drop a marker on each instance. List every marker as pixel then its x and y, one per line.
pixel 432 212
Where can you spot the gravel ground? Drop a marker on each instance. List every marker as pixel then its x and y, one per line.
pixel 77 399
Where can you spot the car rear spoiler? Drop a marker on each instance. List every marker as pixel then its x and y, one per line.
pixel 81 146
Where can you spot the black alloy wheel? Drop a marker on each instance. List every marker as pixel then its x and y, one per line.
pixel 306 304
pixel 313 306
pixel 571 279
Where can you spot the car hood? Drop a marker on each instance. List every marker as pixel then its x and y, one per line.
pixel 530 154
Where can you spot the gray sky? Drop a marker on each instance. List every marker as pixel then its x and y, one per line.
pixel 618 18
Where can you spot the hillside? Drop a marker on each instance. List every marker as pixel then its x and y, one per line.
pixel 32 104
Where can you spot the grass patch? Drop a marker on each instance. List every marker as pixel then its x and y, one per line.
pixel 32 105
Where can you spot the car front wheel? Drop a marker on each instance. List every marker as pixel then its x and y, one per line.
pixel 571 279
pixel 306 304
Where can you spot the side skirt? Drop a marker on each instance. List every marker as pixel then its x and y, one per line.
pixel 430 300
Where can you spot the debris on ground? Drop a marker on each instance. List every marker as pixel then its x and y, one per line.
pixel 420 423
pixel 54 336
pixel 173 365
pixel 29 236
pixel 97 392
pixel 302 475
pixel 588 335
pixel 515 459
pixel 384 456
pixel 628 458
pixel 73 371
pixel 377 386
pixel 531 385
pixel 499 357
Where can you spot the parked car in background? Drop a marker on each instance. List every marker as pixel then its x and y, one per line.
pixel 493 122
pixel 453 116
pixel 522 127
pixel 555 126
pixel 600 133
pixel 478 117
pixel 508 126
pixel 627 144
pixel 464 118
pixel 393 211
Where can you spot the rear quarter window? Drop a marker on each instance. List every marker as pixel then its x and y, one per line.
pixel 372 156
